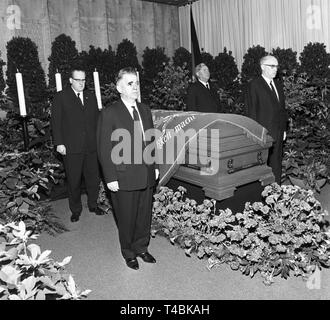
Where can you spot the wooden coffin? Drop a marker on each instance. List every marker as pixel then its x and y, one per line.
pixel 227 160
pixel 239 161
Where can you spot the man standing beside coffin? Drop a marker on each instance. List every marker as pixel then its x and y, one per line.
pixel 129 177
pixel 265 103
pixel 201 95
pixel 74 117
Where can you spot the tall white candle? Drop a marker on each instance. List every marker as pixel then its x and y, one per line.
pixel 20 92
pixel 97 89
pixel 58 81
pixel 139 92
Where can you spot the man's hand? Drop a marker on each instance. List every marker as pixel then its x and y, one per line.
pixel 284 135
pixel 61 149
pixel 113 186
pixel 157 173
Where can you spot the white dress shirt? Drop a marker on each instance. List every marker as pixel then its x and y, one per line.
pixel 129 105
pixel 268 82
pixel 205 84
pixel 81 95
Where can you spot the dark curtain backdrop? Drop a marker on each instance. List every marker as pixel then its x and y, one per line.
pixel 90 22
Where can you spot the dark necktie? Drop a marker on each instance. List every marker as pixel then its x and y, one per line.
pixel 273 89
pixel 136 117
pixel 207 86
pixel 78 95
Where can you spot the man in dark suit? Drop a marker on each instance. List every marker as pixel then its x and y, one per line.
pixel 201 95
pixel 265 103
pixel 74 117
pixel 127 173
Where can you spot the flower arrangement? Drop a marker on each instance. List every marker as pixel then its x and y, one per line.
pixel 26 273
pixel 285 233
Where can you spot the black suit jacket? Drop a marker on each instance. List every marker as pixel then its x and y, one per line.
pixel 264 107
pixel 134 174
pixel 73 124
pixel 201 99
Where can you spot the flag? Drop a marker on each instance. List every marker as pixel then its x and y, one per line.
pixel 196 56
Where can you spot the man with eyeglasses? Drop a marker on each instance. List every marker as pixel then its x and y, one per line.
pixel 265 103
pixel 74 117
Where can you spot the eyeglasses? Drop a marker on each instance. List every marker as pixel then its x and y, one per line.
pixel 79 80
pixel 273 66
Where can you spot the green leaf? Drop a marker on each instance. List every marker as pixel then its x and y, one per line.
pixel 24 208
pixel 11 183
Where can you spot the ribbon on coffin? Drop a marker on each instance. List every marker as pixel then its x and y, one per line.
pixel 172 124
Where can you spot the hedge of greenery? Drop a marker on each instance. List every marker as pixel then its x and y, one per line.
pixel 285 234
pixel 164 84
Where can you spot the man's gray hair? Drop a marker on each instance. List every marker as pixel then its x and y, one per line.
pixel 121 72
pixel 264 58
pixel 199 67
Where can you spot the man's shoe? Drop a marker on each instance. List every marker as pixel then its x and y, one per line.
pixel 147 257
pixel 98 211
pixel 74 217
pixel 132 263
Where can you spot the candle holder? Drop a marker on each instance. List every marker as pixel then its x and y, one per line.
pixel 25 133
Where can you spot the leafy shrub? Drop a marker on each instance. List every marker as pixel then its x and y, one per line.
pixel 101 60
pixel 11 135
pixel 154 61
pixel 26 273
pixel 307 147
pixel 208 59
pixel 126 56
pixel 251 66
pixel 2 80
pixel 110 94
pixel 64 55
pixel 287 61
pixel 282 235
pixel 25 185
pixel 182 58
pixel 226 71
pixel 22 55
pixel 315 60
pixel 231 100
pixel 170 88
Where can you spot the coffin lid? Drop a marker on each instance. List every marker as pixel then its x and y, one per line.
pixel 178 122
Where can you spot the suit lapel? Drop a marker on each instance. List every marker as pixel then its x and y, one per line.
pixel 74 98
pixel 269 90
pixel 143 117
pixel 202 86
pixel 280 92
pixel 126 117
